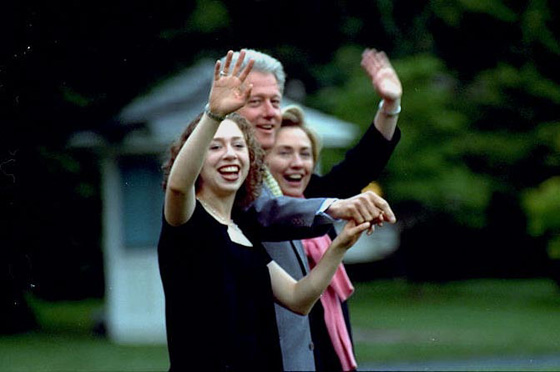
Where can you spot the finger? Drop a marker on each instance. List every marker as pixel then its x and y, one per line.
pixel 369 211
pixel 368 207
pixel 247 70
pixel 388 214
pixel 238 63
pixel 368 65
pixel 370 227
pixel 217 67
pixel 376 61
pixel 246 91
pixel 384 60
pixel 371 66
pixel 379 222
pixel 382 206
pixel 367 57
pixel 229 57
pixel 358 228
pixel 365 210
pixel 363 227
pixel 379 219
pixel 356 215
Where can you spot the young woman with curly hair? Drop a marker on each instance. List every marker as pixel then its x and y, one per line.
pixel 220 285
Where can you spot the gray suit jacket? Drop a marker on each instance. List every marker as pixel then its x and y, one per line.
pixel 293 329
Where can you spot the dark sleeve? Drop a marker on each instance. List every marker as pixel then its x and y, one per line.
pixel 283 218
pixel 361 165
pixel 264 257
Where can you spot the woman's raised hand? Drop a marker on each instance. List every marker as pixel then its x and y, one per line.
pixel 229 91
pixel 382 74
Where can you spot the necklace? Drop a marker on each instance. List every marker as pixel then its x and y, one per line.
pixel 234 232
pixel 215 213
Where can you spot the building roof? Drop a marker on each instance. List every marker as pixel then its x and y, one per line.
pixel 163 112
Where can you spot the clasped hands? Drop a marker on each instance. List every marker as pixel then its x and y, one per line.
pixel 364 207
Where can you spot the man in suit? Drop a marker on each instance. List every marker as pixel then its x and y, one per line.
pixel 346 179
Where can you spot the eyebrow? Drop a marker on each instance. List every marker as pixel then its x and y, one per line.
pixel 224 138
pixel 262 95
pixel 291 147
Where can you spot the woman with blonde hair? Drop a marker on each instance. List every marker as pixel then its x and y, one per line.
pixel 292 162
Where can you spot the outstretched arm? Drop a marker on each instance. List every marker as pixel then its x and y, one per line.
pixel 228 94
pixel 366 160
pixel 300 296
pixel 388 86
pixel 285 218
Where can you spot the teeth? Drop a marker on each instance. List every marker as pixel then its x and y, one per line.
pixel 231 168
pixel 267 126
pixel 294 177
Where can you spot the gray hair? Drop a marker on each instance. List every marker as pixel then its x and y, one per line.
pixel 263 63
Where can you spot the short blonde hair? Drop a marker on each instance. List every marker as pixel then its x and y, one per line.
pixel 293 116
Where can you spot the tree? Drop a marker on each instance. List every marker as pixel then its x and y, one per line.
pixel 480 93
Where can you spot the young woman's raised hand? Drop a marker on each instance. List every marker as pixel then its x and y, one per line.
pixel 229 91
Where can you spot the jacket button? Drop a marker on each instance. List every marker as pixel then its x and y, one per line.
pixel 311 346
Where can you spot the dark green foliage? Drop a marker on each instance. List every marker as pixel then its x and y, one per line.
pixel 480 124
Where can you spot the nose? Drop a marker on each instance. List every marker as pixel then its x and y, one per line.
pixel 230 152
pixel 269 109
pixel 296 162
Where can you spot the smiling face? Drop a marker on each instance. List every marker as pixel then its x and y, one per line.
pixel 291 160
pixel 227 161
pixel 263 108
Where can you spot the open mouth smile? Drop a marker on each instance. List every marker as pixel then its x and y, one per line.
pixel 265 127
pixel 229 172
pixel 293 177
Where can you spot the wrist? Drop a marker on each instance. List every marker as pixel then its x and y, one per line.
pixel 390 109
pixel 330 210
pixel 213 115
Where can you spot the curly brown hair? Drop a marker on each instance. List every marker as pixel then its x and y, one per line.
pixel 251 188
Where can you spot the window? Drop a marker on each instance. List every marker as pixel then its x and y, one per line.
pixel 142 200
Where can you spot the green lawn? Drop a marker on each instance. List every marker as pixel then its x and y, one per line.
pixel 393 321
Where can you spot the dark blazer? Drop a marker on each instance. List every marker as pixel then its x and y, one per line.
pixel 361 165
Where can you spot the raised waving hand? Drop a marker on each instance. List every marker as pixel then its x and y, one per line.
pixel 382 74
pixel 229 91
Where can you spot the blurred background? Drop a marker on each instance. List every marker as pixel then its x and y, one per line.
pixel 91 93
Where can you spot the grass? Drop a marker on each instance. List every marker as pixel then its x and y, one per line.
pixel 393 321
pixel 66 343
